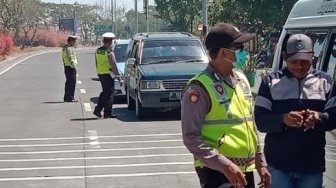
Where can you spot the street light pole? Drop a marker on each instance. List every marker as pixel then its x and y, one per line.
pixel 112 16
pixel 205 17
pixel 145 7
pixel 136 16
pixel 115 16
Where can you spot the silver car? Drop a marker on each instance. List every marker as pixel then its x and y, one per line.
pixel 119 48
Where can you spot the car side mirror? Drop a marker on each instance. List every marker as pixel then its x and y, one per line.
pixel 131 61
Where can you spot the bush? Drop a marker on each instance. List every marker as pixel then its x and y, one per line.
pixel 6 44
pixel 49 38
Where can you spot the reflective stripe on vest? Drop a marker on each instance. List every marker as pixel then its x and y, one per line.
pixel 228 127
pixel 102 62
pixel 66 60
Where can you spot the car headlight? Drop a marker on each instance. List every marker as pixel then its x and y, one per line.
pixel 150 85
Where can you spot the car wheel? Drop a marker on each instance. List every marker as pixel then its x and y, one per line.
pixel 139 110
pixel 130 101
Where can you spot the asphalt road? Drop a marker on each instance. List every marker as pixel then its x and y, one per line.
pixel 47 143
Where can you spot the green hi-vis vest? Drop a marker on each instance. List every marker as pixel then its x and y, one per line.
pixel 66 59
pixel 102 62
pixel 229 126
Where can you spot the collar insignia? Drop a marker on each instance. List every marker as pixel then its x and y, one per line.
pixel 216 76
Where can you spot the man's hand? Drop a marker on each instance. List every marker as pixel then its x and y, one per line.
pixel 235 175
pixel 265 177
pixel 312 117
pixel 121 81
pixel 294 118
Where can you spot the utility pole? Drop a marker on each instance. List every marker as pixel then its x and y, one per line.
pixel 115 16
pixel 145 8
pixel 136 16
pixel 205 17
pixel 112 17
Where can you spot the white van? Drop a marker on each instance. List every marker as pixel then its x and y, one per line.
pixel 317 19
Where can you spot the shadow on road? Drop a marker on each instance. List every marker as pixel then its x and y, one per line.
pixel 84 119
pixel 53 102
pixel 116 100
pixel 95 79
pixel 125 115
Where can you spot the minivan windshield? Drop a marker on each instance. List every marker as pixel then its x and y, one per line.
pixel 172 51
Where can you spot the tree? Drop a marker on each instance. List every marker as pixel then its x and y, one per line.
pixel 10 13
pixel 179 14
pixel 258 16
pixel 30 20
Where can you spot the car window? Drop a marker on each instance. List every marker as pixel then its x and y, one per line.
pixel 155 51
pixel 119 52
pixel 331 57
pixel 319 40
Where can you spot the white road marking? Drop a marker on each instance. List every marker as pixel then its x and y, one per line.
pixel 79 82
pixel 94 141
pixel 76 144
pixel 82 90
pixel 331 160
pixel 89 150
pixel 97 158
pixel 96 166
pixel 96 176
pixel 73 138
pixel 87 107
pixel 10 67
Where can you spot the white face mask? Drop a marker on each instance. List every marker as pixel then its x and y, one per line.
pixel 232 62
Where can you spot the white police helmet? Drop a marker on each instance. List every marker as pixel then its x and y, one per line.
pixel 109 35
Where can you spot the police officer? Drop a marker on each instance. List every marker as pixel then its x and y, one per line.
pixel 107 72
pixel 217 124
pixel 70 69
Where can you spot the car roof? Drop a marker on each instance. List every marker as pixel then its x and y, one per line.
pixel 312 13
pixel 122 41
pixel 164 36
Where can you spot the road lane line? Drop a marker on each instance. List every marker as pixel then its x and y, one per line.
pixel 95 166
pixel 79 82
pixel 30 56
pixel 96 158
pixel 89 150
pixel 87 107
pixel 73 138
pixel 82 91
pixel 97 176
pixel 78 144
pixel 94 141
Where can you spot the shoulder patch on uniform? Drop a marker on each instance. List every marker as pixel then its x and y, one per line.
pixel 193 96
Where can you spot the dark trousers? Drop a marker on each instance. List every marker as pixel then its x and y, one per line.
pixel 214 179
pixel 105 100
pixel 70 83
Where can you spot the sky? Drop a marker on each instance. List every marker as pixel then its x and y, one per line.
pixel 128 4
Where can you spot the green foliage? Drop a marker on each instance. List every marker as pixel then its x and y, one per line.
pixel 258 16
pixel 179 14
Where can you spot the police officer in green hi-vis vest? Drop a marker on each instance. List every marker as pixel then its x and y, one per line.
pixel 70 69
pixel 217 124
pixel 107 72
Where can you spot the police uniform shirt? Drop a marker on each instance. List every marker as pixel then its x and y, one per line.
pixel 196 104
pixel 112 60
pixel 69 51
